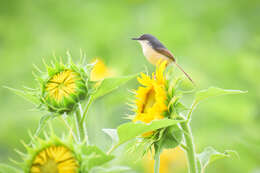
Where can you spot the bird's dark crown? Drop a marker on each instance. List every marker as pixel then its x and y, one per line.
pixel 147 37
pixel 153 41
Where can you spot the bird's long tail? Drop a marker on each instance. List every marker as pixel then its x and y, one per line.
pixel 184 72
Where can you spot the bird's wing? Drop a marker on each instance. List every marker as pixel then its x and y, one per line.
pixel 166 53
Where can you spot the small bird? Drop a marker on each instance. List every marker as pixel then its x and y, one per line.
pixel 154 51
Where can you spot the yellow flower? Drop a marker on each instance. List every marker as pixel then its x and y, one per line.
pixel 61 155
pixel 99 71
pixel 171 160
pixel 62 85
pixel 63 90
pixel 54 159
pixel 151 98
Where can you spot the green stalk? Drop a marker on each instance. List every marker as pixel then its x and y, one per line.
pixel 80 122
pixel 157 162
pixel 63 119
pixel 190 150
pixel 80 127
pixel 86 133
pixel 90 100
pixel 191 110
pixel 77 126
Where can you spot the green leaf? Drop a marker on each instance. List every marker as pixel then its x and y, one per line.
pixel 114 169
pixel 210 155
pixel 185 85
pixel 131 130
pixel 94 157
pixel 110 84
pixel 43 121
pixel 213 92
pixel 26 95
pixel 172 137
pixel 8 169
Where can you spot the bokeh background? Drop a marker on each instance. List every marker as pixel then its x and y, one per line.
pixel 216 42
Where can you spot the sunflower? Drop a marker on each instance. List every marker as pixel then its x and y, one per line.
pixel 54 159
pixel 100 71
pixel 62 85
pixel 151 98
pixel 63 90
pixel 52 155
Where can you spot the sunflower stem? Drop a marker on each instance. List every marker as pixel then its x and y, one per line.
pixel 63 119
pixel 85 133
pixel 190 147
pixel 82 122
pixel 191 110
pixel 157 162
pixel 79 127
pixel 90 100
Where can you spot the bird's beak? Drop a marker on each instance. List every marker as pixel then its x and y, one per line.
pixel 135 38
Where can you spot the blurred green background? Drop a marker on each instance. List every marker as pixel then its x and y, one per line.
pixel 216 42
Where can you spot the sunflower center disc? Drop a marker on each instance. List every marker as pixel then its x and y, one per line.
pixel 150 100
pixel 49 167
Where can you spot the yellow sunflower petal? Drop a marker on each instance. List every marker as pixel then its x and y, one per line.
pixel 54 159
pixel 151 97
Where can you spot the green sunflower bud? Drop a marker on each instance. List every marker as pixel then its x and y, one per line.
pixel 61 155
pixel 63 86
pixel 63 90
pixel 52 155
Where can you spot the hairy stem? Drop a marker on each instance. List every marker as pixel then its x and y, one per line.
pixel 90 100
pixel 63 119
pixel 81 124
pixel 157 162
pixel 190 150
pixel 191 110
pixel 80 127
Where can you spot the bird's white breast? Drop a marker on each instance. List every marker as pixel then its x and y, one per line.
pixel 151 55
